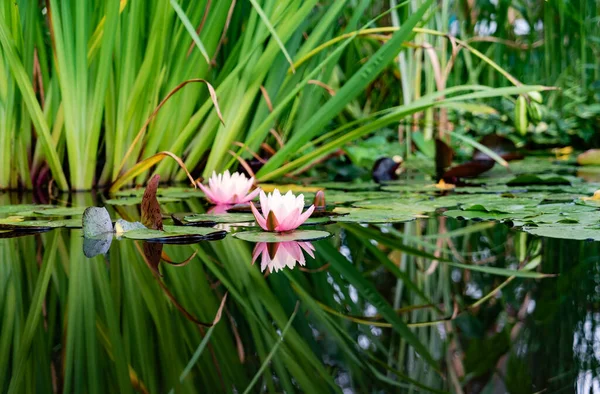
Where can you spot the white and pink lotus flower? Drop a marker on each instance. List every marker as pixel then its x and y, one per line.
pixel 229 189
pixel 281 213
pixel 277 256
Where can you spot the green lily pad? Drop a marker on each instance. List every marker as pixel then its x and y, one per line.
pixel 204 218
pixel 96 221
pixel 13 209
pixel 357 215
pixel 562 231
pixel 17 223
pixel 533 179
pixel 342 197
pixel 501 205
pixel 61 211
pixel 123 226
pixel 347 186
pixel 138 200
pixel 175 234
pixel 482 215
pixel 297 235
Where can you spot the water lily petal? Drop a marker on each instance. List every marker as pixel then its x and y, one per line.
pixel 289 222
pixel 207 192
pixel 302 218
pixel 262 222
pixel 250 196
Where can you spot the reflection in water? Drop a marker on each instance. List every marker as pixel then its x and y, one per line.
pixel 516 335
pixel 278 255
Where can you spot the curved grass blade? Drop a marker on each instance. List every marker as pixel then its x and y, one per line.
pixel 479 147
pixel 271 29
pixel 188 26
pixel 213 97
pixel 145 165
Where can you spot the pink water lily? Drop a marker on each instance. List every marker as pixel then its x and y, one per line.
pixel 281 213
pixel 277 256
pixel 229 189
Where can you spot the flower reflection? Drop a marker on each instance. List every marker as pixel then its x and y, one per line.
pixel 278 255
pixel 219 209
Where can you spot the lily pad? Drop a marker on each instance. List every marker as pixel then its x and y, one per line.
pixel 123 226
pixel 138 200
pixel 204 218
pixel 13 209
pixel 61 211
pixel 533 179
pixel 96 221
pixel 348 186
pixel 175 234
pixel 482 215
pixel 298 235
pixel 356 215
pixel 341 197
pixel 562 231
pixel 18 223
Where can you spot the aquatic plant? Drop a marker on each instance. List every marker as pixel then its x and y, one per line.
pixel 281 213
pixel 229 189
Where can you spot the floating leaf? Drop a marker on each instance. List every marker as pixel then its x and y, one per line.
pixel 482 215
pixel 577 232
pixel 533 179
pixel 17 223
pixel 175 234
pixel 96 221
pixel 151 216
pixel 123 226
pixel 138 200
pixel 204 218
pixel 355 215
pixel 348 186
pixel 270 237
pixel 13 209
pixel 61 211
pixel 342 197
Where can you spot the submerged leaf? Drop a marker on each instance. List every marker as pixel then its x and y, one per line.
pixel 96 221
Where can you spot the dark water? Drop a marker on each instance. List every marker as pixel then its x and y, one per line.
pixel 354 319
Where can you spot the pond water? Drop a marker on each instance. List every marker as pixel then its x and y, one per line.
pixel 432 304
